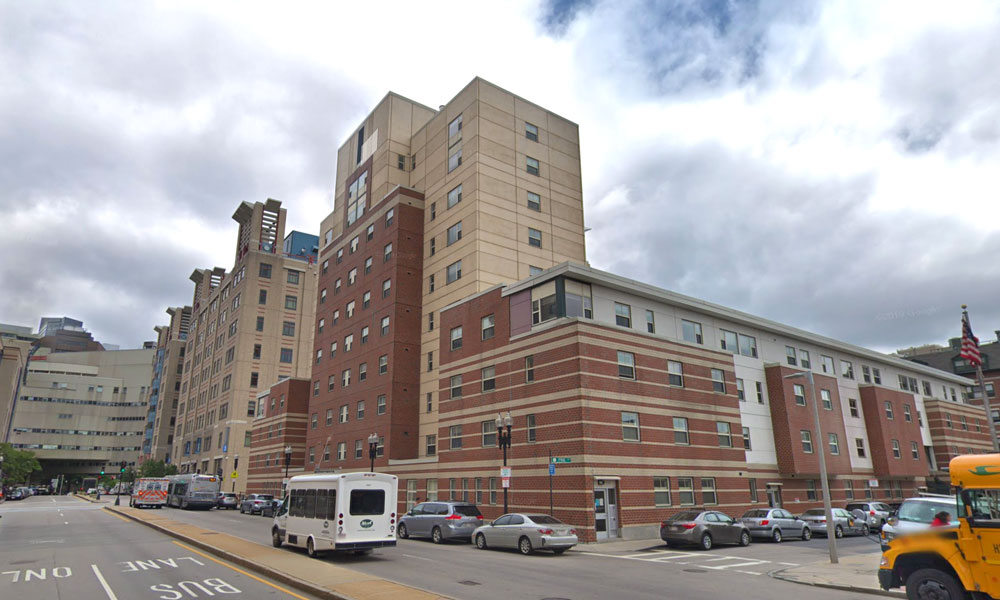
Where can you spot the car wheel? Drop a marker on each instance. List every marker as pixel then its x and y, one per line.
pixel 745 538
pixel 806 534
pixel 242 511
pixel 838 531
pixel 933 584
pixel 524 545
pixel 436 535
pixel 275 538
pixel 558 550
pixel 706 542
pixel 864 530
pixel 403 533
pixel 184 505
pixel 481 541
pixel 311 550
pixel 776 536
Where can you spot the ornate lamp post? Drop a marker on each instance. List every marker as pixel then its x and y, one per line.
pixel 503 440
pixel 372 448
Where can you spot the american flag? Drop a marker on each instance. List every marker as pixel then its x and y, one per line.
pixel 970 343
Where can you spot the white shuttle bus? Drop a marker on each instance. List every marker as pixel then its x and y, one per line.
pixel 338 512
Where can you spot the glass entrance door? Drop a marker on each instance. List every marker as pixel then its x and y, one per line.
pixel 601 514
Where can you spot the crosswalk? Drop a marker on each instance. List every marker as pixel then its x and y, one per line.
pixel 704 560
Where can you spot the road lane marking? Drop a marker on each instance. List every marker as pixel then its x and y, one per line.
pixel 742 564
pixel 113 513
pixel 104 584
pixel 419 557
pixel 241 571
pixel 748 572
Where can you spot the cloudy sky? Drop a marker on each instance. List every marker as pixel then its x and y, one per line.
pixel 829 165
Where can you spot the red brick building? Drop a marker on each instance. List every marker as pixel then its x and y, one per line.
pixel 281 421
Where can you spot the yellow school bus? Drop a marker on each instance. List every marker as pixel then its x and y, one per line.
pixel 954 563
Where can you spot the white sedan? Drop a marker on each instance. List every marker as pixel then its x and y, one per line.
pixel 527 533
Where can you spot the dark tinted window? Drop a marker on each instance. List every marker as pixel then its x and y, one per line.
pixel 367 502
pixel 468 511
pixel 711 517
pixel 321 504
pixel 814 512
pixel 331 499
pixel 685 516
pixel 265 496
pixel 858 505
pixel 310 507
pixel 516 520
pixel 545 520
pixel 504 520
pixel 757 514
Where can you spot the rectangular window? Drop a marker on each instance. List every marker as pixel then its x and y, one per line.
pixel 431 445
pixel 909 417
pixel 488 326
pixel 455 385
pixel 718 381
pixel 534 238
pixel 430 361
pixel 729 341
pixel 866 374
pixel 914 451
pixel 895 449
pixel 489 434
pixel 827 363
pixel 361 409
pixel 454 233
pixel 623 315
pixel 387 253
pixel 807 441
pixel 493 490
pixel 530 132
pixel 262 297
pixel 344 410
pixel 810 489
pixel 804 359
pixel 455 436
pixel 800 394
pixel 346 377
pixel 661 491
pixel 790 356
pixel 746 438
pixel 650 322
pixel 260 325
pixel 380 405
pixel 753 490
pixel 740 392
pixel 454 196
pixel 530 425
pixel 286 355
pixel 386 288
pixel 534 201
pixel 265 270
pixel 368 265
pixel 433 246
pixel 724 434
pixel 691 332
pixel 846 369
pixel 630 426
pixel 529 368
pixel 354 245
pixel 849 489
pixel 384 326
pixel 454 271
pixel 626 365
pixel 340 255
pixel 291 302
pixel 760 392
pixel 454 158
pixel 708 495
pixel 888 411
pixel 859 446
pixel 947 419
pixel 531 165
pixel 685 491
pixel 455 130
pixel 826 399
pixel 288 328
pixel 834 443
pixel 342 451
pixel 681 435
pixel 389 216
pixel 853 405
pixel 748 345
pixel 363 372
pixel 675 373
pixel 456 338
pixel 293 277
pixel 489 379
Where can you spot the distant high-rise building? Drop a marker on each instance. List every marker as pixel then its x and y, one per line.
pixel 165 386
pixel 50 325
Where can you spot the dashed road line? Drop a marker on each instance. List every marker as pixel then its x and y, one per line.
pixel 104 584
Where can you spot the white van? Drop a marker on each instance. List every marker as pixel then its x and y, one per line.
pixel 338 512
pixel 149 491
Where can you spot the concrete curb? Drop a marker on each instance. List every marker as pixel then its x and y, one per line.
pixel 305 586
pixel 777 574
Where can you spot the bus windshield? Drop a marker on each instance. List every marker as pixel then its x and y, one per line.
pixel 367 502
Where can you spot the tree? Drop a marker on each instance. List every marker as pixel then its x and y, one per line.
pixel 17 464
pixel 156 468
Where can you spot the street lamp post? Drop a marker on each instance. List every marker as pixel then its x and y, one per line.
pixel 503 440
pixel 288 461
pixel 372 448
pixel 1 476
pixel 831 538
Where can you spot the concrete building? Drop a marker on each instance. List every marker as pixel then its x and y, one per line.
pixel 948 358
pixel 250 327
pixel 14 353
pixel 431 206
pixel 80 412
pixel 165 386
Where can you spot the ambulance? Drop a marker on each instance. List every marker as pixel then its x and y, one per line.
pixel 149 491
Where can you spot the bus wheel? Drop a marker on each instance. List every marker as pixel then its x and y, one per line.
pixel 311 550
pixel 932 583
pixel 275 538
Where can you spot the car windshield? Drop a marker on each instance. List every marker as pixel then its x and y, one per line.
pixel 923 512
pixel 265 497
pixel 685 516
pixel 755 514
pixel 468 511
pixel 545 520
pixel 814 512
pixel 857 506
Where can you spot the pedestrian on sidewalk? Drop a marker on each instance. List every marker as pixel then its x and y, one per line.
pixel 942 519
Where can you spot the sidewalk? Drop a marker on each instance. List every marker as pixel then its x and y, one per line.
pixel 318 577
pixel 855 573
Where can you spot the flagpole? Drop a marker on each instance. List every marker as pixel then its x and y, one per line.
pixel 982 390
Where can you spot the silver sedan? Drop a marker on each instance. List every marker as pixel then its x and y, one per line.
pixel 526 532
pixel 845 523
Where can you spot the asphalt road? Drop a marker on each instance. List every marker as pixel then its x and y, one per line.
pixel 634 570
pixel 60 547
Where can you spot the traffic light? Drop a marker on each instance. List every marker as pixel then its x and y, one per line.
pixel 102 471
pixel 123 467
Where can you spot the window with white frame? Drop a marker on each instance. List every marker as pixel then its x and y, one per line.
pixel 630 426
pixel 661 491
pixel 626 365
pixel 675 373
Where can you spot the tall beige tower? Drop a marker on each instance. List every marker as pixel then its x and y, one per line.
pixel 165 387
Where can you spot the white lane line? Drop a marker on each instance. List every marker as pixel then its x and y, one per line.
pixel 419 558
pixel 789 564
pixel 104 584
pixel 743 564
pixel 748 572
pixel 728 558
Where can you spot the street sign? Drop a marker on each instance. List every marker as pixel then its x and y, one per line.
pixel 873 483
pixel 505 476
pixel 234 475
pixel 561 459
pixel 552 469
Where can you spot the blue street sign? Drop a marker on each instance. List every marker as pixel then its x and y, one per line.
pixel 552 469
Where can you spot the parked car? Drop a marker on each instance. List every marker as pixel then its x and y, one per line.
pixel 916 514
pixel 876 513
pixel 91 491
pixel 704 529
pixel 271 508
pixel 441 521
pixel 16 494
pixel 526 532
pixel 775 524
pixel 845 523
pixel 227 500
pixel 254 503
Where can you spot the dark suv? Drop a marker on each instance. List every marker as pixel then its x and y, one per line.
pixel 441 521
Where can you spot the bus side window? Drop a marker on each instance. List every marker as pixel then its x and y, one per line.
pixel 310 511
pixel 320 504
pixel 331 512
